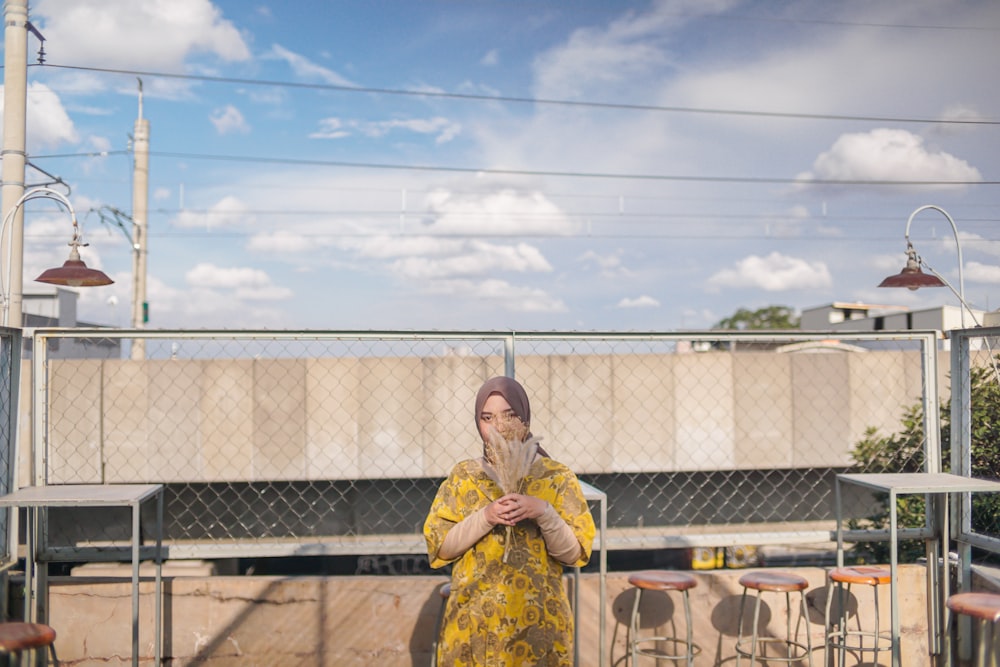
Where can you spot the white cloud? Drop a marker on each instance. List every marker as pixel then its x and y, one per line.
pixel 246 283
pixel 643 301
pixel 478 258
pixel 982 273
pixel 500 294
pixel 506 211
pixel 774 273
pixel 307 69
pixel 47 124
pixel 609 266
pixel 490 59
pixel 281 241
pixel 889 155
pixel 209 275
pixel 337 128
pixel 330 128
pixel 228 119
pixel 600 59
pixel 228 211
pixel 264 293
pixel 137 33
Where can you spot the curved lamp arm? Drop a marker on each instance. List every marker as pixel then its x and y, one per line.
pixel 958 245
pixel 34 193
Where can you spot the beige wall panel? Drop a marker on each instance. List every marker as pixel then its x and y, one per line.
pixel 880 391
pixel 127 424
pixel 75 421
pixel 533 372
pixel 392 417
pixel 176 453
pixel 763 400
pixel 24 429
pixel 644 421
pixel 821 409
pixel 450 386
pixel 279 419
pixel 704 411
pixel 580 408
pixel 226 420
pixel 332 407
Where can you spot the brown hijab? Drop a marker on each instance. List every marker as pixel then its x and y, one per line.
pixel 513 393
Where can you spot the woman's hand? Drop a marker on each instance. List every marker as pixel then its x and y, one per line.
pixel 514 508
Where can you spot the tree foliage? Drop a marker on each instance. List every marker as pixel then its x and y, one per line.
pixel 904 452
pixel 771 317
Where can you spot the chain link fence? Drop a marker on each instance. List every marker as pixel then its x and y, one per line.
pixel 275 444
pixel 974 435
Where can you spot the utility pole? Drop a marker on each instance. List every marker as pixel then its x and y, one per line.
pixel 15 99
pixel 140 206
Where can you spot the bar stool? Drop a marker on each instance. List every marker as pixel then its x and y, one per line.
pixel 665 581
pixel 766 581
pixel 444 592
pixel 16 637
pixel 985 609
pixel 843 578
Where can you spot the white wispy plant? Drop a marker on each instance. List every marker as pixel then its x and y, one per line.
pixel 510 452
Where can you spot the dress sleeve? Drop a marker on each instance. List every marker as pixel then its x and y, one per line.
pixel 566 497
pixel 457 498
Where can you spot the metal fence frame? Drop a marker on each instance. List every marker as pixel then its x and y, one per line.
pixel 965 345
pixel 10 373
pixel 509 343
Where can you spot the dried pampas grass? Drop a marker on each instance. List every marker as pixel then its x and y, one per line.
pixel 510 452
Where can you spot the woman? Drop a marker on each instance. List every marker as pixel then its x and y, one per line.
pixel 508 604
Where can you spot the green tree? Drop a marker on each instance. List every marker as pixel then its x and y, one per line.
pixel 904 452
pixel 771 317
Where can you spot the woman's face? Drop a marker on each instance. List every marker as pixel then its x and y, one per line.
pixel 495 409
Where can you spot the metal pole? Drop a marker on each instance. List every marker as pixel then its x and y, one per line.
pixel 140 204
pixel 15 95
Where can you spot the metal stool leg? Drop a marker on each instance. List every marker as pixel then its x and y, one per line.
pixel 739 628
pixel 690 632
pixel 634 625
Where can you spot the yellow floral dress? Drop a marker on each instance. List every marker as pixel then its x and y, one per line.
pixel 517 613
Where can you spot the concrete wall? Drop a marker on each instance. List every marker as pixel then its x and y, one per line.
pixel 390 621
pixel 116 421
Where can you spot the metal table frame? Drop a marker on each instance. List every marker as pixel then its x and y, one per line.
pixel 935 486
pixel 592 493
pixel 36 499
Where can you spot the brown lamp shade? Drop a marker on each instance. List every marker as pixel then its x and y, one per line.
pixel 74 273
pixel 912 279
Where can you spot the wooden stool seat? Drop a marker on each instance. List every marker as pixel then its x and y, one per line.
pixel 16 637
pixel 662 580
pixel 861 574
pixel 795 650
pixel 652 646
pixel 984 610
pixel 774 582
pixel 839 637
pixel 984 606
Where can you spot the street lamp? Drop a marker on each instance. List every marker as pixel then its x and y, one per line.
pixel 74 272
pixel 912 277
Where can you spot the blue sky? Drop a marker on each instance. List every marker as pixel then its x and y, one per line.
pixel 574 165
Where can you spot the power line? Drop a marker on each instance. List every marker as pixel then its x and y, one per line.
pixel 524 100
pixel 533 172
